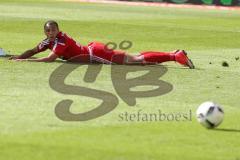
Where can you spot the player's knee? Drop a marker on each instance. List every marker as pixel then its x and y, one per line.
pixel 135 59
pixel 139 58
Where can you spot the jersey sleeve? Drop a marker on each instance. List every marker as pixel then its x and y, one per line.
pixel 42 46
pixel 60 47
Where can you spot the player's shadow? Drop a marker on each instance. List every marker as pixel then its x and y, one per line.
pixel 97 63
pixel 180 67
pixel 6 56
pixel 227 130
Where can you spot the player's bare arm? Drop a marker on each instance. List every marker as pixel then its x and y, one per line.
pixel 27 54
pixel 50 58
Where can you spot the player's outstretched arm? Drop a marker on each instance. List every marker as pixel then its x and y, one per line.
pixel 50 58
pixel 27 54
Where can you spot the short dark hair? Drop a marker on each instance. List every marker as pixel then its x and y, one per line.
pixel 51 22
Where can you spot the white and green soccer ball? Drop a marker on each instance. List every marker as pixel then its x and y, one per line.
pixel 210 114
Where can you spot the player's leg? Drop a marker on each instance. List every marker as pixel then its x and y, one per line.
pixel 104 55
pixel 150 57
pixel 158 57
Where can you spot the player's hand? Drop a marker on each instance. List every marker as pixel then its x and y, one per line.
pixel 13 57
pixel 19 60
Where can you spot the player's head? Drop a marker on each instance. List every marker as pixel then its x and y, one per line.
pixel 51 29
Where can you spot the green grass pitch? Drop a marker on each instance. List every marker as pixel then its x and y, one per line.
pixel 29 128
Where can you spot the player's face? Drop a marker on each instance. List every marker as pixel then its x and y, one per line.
pixel 51 32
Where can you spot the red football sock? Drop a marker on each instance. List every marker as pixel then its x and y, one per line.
pixel 158 57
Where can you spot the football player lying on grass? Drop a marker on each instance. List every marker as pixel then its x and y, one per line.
pixel 64 47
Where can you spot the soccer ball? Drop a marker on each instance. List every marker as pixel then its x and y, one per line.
pixel 210 114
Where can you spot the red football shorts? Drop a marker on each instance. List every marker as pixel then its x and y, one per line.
pixel 100 53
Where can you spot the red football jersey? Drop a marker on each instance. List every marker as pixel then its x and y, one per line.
pixel 63 46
